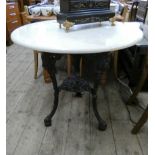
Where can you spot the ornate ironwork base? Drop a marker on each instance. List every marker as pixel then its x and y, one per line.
pixel 74 84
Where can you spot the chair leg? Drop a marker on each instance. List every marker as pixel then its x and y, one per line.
pixel 81 63
pixel 47 78
pixel 35 64
pixel 141 82
pixel 144 116
pixel 141 122
pixel 69 64
pixel 115 65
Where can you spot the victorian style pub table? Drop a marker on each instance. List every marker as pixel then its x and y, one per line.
pixel 91 41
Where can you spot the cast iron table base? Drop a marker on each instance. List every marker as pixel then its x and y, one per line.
pixel 73 84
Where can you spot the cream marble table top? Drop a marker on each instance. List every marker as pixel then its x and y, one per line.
pixel 85 38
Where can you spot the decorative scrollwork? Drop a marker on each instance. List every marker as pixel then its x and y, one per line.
pixel 75 84
pixel 77 5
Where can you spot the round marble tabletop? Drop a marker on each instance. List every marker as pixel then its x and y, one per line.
pixel 46 36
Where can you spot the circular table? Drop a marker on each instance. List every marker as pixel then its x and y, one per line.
pixel 81 39
pixel 86 38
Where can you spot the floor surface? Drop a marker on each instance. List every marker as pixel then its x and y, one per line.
pixel 74 127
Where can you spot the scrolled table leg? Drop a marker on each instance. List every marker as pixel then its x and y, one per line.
pixel 49 61
pixel 101 123
pixel 47 120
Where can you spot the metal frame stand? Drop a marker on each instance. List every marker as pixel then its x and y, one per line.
pixel 74 84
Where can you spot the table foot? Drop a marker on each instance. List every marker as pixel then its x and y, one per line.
pixel 78 94
pixel 47 121
pixel 49 61
pixel 102 126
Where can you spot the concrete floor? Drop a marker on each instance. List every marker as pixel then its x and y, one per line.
pixel 73 130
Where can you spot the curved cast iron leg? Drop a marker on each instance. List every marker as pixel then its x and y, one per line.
pixel 102 124
pixel 47 120
pixel 49 63
pixel 78 94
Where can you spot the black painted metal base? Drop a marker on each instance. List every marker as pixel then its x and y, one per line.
pixel 78 94
pixel 47 121
pixel 73 84
pixel 102 126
